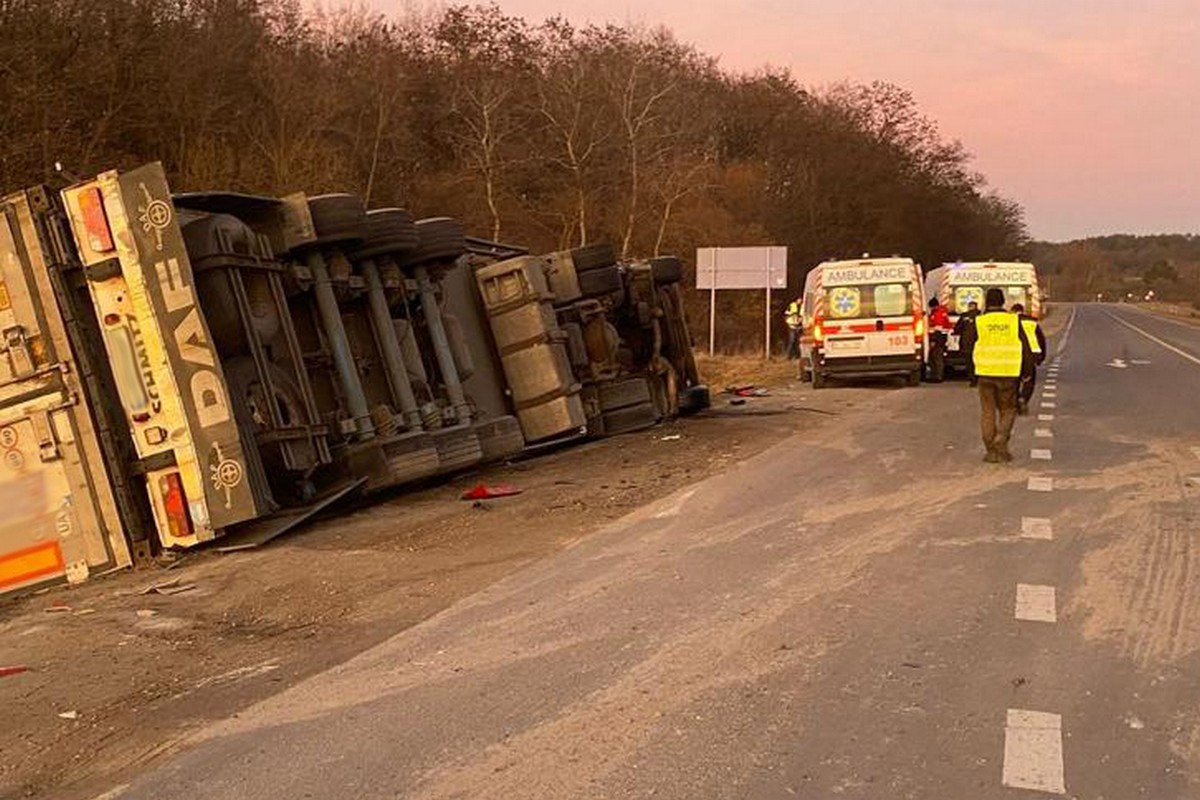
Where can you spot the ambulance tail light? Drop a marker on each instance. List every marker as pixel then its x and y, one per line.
pixel 170 488
pixel 95 221
pixel 918 326
pixel 818 330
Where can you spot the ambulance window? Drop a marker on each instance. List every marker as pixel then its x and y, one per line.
pixel 844 302
pixel 964 296
pixel 891 300
pixel 1016 294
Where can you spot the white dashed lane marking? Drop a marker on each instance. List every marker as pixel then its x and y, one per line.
pixel 1050 395
pixel 1196 452
pixel 1035 603
pixel 1045 418
pixel 1047 405
pixel 1040 455
pixel 1036 528
pixel 1033 756
pixel 1040 484
pixel 1042 433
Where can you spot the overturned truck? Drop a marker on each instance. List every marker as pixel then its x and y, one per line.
pixel 204 366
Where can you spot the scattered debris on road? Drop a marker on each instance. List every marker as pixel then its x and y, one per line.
pixel 484 492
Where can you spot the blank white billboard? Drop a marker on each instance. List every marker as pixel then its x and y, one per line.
pixel 741 268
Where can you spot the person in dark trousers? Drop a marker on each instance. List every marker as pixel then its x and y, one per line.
pixel 939 329
pixel 1001 349
pixel 1037 343
pixel 964 329
pixel 793 317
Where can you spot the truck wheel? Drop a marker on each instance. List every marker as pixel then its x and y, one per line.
pixel 666 269
pixel 440 239
pixel 819 380
pixel 593 256
pixel 806 374
pixel 600 282
pixel 389 231
pixel 694 399
pixel 913 378
pixel 338 218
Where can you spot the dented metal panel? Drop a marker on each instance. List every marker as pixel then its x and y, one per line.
pixel 58 516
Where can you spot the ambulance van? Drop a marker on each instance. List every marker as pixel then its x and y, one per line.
pixel 863 318
pixel 958 285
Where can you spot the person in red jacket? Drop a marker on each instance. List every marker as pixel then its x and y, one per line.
pixel 939 332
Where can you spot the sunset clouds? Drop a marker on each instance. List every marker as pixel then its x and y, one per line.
pixel 1085 111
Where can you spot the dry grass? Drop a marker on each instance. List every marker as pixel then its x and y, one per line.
pixel 720 371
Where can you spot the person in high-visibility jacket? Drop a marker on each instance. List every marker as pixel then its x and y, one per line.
pixel 1001 349
pixel 1037 343
pixel 794 318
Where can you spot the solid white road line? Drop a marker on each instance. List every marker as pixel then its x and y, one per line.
pixel 1036 528
pixel 1040 455
pixel 1042 433
pixel 1062 343
pixel 1033 754
pixel 1045 418
pixel 1155 339
pixel 1040 484
pixel 1035 603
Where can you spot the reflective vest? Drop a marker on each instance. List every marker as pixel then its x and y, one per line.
pixel 998 345
pixel 1030 326
pixel 792 316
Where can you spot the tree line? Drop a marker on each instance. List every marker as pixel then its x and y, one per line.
pixel 1123 266
pixel 547 135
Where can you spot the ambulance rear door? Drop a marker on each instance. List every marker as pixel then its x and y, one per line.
pixel 872 312
pixel 58 516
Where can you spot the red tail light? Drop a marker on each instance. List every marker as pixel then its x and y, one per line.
pixel 170 487
pixel 95 221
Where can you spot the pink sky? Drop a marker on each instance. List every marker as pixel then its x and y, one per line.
pixel 1087 112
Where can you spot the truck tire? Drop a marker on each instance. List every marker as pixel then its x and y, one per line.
pixel 627 420
pixel 666 270
pixel 338 218
pixel 913 378
pixel 819 379
pixel 439 239
pixel 623 393
pixel 694 399
pixel 806 374
pixel 600 282
pixel 390 231
pixel 593 256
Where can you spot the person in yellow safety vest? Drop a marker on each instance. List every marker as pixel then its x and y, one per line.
pixel 1037 343
pixel 795 323
pixel 1001 349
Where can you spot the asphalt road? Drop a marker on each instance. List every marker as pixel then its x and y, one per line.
pixel 870 613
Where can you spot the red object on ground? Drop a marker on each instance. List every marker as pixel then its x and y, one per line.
pixel 17 670
pixel 482 492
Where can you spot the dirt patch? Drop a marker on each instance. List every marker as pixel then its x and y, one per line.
pixel 1141 588
pixel 723 371
pixel 116 677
